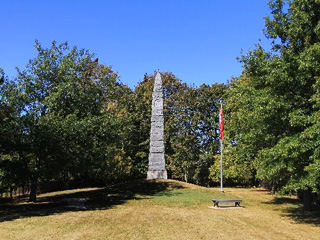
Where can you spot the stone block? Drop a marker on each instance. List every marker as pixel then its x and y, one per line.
pixel 157 149
pixel 157 174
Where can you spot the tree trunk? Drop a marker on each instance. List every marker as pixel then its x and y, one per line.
pixel 307 199
pixel 33 192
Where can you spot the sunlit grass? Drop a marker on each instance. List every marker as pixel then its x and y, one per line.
pixel 159 210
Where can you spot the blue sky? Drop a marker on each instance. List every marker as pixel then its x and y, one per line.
pixel 197 40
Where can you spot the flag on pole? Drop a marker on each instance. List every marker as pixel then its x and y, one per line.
pixel 221 123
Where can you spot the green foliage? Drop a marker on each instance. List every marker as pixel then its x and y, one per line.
pixel 274 104
pixel 11 169
pixel 196 140
pixel 71 118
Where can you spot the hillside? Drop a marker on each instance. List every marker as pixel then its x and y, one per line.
pixel 163 209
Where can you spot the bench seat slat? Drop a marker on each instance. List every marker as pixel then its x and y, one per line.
pixel 217 201
pixel 227 200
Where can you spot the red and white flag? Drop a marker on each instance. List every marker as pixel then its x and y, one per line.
pixel 221 123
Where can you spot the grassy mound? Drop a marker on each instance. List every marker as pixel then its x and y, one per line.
pixel 162 209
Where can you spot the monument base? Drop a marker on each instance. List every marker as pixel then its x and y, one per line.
pixel 157 174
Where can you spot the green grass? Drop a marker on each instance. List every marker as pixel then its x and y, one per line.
pixel 158 210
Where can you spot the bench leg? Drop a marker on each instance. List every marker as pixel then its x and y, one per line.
pixel 237 204
pixel 216 204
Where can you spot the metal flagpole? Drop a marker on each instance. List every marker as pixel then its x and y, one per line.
pixel 221 170
pixel 221 147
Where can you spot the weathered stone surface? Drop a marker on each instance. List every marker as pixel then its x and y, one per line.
pixel 158 103
pixel 157 168
pixel 156 118
pixel 157 159
pixel 156 144
pixel 155 174
pixel 157 112
pixel 156 135
pixel 157 125
pixel 156 149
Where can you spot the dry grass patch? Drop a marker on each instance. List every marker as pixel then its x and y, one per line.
pixel 158 210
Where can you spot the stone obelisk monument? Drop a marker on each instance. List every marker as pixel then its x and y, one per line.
pixel 157 169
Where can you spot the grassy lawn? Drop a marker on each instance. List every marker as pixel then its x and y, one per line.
pixel 157 210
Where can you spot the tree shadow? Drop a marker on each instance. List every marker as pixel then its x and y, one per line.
pixel 301 216
pixel 295 211
pixel 284 200
pixel 97 199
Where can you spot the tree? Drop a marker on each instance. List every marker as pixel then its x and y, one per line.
pixel 207 126
pixel 277 94
pixel 41 79
pixel 12 167
pixel 71 111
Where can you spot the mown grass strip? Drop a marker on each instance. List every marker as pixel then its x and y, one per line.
pixel 158 210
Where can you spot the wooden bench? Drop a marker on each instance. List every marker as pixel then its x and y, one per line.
pixel 217 201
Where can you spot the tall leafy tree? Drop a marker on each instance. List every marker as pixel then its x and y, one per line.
pixel 42 77
pixel 12 165
pixel 277 96
pixel 207 126
pixel 71 110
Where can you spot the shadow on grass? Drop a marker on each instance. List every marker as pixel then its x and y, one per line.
pixel 296 212
pixel 97 199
